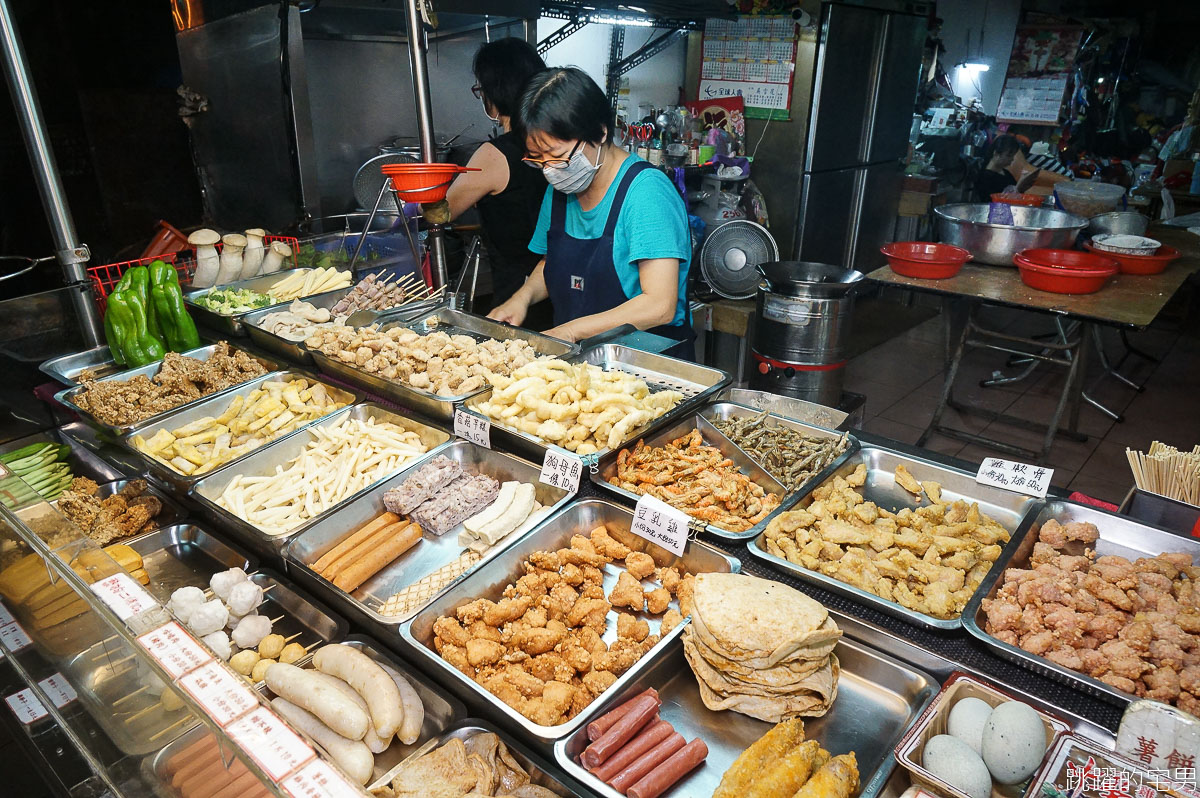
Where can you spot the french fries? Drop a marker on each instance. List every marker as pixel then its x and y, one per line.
pixel 248 422
pixel 340 460
pixel 306 282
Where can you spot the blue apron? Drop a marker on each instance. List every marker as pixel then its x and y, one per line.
pixel 581 277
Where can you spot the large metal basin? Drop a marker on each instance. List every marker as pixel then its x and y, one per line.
pixel 966 225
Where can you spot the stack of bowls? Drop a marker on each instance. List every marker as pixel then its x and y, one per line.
pixel 924 260
pixel 1064 271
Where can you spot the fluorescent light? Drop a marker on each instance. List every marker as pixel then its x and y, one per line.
pixel 604 19
pixel 974 66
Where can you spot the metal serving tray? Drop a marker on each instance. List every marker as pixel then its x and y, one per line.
pixel 451 322
pixel 578 518
pixel 873 685
pixel 786 406
pixel 172 513
pixel 294 613
pixel 743 461
pixel 203 353
pixel 1007 508
pixel 1118 535
pixel 82 460
pixel 184 555
pixel 214 406
pixel 275 455
pixel 698 384
pixel 66 368
pixel 232 324
pixel 431 553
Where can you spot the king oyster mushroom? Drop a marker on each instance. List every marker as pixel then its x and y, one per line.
pixel 207 260
pixel 275 255
pixel 231 258
pixel 252 258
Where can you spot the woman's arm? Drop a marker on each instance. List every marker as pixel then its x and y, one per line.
pixel 533 290
pixel 470 187
pixel 655 306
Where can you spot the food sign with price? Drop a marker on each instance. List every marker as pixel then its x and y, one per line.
pixel 1031 480
pixel 561 469
pixel 473 428
pixel 661 524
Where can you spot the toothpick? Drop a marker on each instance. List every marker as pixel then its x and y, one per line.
pixel 185 719
pixel 131 695
pixel 141 712
pixel 293 637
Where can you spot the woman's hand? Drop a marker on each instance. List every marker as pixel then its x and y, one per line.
pixel 562 332
pixel 512 311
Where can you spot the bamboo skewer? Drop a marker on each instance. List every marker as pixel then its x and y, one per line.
pixel 1167 471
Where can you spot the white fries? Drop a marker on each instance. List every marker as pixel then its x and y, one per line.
pixel 340 460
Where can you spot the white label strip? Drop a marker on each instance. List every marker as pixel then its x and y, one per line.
pixel 14 637
pixel 174 649
pixel 123 595
pixel 58 690
pixel 1030 480
pixel 224 696
pixel 473 428
pixel 26 706
pixel 276 748
pixel 318 780
pixel 561 469
pixel 660 523
pixel 6 617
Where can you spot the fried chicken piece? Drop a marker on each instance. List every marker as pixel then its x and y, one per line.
pixel 639 564
pixel 628 593
pixel 457 657
pixel 506 691
pixel 591 590
pixel 580 557
pixel 622 655
pixel 906 480
pixel 580 543
pixel 1162 684
pixel 1138 636
pixel 575 655
pixel 482 630
pixel 657 601
pixel 559 601
pixel 532 585
pixel 508 609
pixel 591 640
pixel 670 620
pixel 592 613
pixel 596 682
pixel 88 487
pixel 1066 657
pixel 534 641
pixel 572 574
pixel 669 577
pixel 448 630
pixel 685 591
pixel 1119 682
pixel 484 652
pixel 550 709
pixel 473 611
pixel 632 628
pixel 592 575
pixel 607 545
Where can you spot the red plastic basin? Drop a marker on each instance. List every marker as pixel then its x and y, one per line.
pixel 923 260
pixel 1064 271
pixel 1140 264
pixel 1028 200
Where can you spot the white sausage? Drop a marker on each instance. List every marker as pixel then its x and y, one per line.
pixel 351 755
pixel 376 743
pixel 414 710
pixel 306 691
pixel 369 680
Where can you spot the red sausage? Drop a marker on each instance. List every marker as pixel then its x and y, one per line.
pixel 641 709
pixel 659 780
pixel 647 738
pixel 600 725
pixel 653 758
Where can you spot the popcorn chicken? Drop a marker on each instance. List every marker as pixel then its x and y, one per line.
pixel 632 628
pixel 628 593
pixel 639 564
pixel 657 601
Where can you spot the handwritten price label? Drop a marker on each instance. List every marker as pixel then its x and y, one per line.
pixel 26 706
pixel 5 616
pixel 124 596
pixel 225 697
pixel 58 690
pixel 473 428
pixel 174 649
pixel 661 524
pixel 1018 477
pixel 13 637
pixel 561 469
pixel 276 748
pixel 318 780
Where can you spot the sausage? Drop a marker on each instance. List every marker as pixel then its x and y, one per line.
pixel 308 692
pixel 238 786
pixel 649 761
pixel 369 680
pixel 350 541
pixel 364 548
pixel 373 741
pixel 181 759
pixel 189 769
pixel 352 756
pixel 659 780
pixel 414 710
pixel 603 723
pixel 641 709
pixel 646 739
pixel 212 778
pixel 399 540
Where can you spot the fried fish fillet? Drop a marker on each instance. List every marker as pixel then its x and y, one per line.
pixel 838 778
pixel 906 480
pixel 746 769
pixel 788 773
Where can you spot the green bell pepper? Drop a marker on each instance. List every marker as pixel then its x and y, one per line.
pixel 122 321
pixel 149 348
pixel 114 336
pixel 173 316
pixel 162 273
pixel 139 281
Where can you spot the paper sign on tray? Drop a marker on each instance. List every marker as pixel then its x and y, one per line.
pixel 174 649
pixel 318 780
pixel 123 595
pixel 562 469
pixel 13 637
pixel 270 742
pixel 58 689
pixel 25 706
pixel 1024 478
pixel 224 696
pixel 661 524
pixel 473 428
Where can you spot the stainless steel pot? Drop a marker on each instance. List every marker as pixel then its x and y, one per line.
pixel 1118 223
pixel 966 225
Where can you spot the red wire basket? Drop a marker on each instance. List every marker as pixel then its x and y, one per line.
pixel 105 277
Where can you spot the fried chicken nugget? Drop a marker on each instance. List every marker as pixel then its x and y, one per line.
pixel 596 682
pixel 640 564
pixel 628 593
pixel 507 610
pixel 534 641
pixel 483 652
pixel 669 577
pixel 657 601
pixel 670 620
pixel 450 631
pixel 685 592
pixel 592 613
pixel 632 628
pixel 606 544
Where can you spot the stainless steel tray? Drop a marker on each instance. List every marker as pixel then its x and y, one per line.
pixel 297 614
pixel 452 322
pixel 214 406
pixel 577 518
pixel 289 350
pixel 66 368
pixel 786 406
pixel 184 555
pixel 431 553
pixel 664 435
pixel 1009 509
pixel 155 769
pixel 172 513
pixel 232 324
pixel 83 461
pixel 277 453
pixel 1118 535
pixel 878 697
pixel 203 353
pixel 698 384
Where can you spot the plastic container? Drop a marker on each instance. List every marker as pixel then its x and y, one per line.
pixel 1125 244
pixel 1028 200
pixel 1088 198
pixel 925 261
pixel 1141 264
pixel 1064 271
pixel 422 182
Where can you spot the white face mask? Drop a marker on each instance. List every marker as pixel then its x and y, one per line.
pixel 576 176
pixel 484 103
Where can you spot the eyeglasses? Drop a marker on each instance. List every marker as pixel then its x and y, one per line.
pixel 553 163
pixel 477 90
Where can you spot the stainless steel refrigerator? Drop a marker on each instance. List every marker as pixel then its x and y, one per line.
pixel 865 82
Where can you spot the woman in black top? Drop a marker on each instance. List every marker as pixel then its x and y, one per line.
pixel 508 194
pixel 995 178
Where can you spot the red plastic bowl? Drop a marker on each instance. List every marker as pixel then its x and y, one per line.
pixel 1028 200
pixel 1064 271
pixel 925 261
pixel 1141 264
pixel 422 182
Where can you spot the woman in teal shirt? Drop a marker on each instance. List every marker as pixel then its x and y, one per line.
pixel 612 229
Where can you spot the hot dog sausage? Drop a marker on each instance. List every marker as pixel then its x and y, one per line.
pixel 641 709
pixel 652 759
pixel 369 680
pixel 308 692
pixel 646 739
pixel 659 780
pixel 352 755
pixel 603 723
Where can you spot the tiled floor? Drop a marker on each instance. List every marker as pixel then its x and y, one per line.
pixel 902 380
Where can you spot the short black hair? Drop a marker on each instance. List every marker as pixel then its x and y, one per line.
pixel 1004 145
pixel 566 104
pixel 502 68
